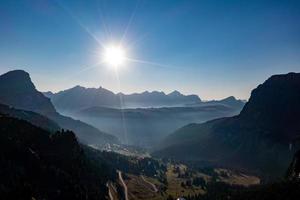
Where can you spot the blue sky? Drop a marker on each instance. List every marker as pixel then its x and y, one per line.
pixel 211 48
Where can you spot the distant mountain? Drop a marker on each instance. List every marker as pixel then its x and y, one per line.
pixel 145 127
pixel 78 98
pixel 48 94
pixel 257 139
pixel 38 165
pixel 17 90
pixel 229 102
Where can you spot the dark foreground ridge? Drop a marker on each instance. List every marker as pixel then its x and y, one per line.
pixel 38 165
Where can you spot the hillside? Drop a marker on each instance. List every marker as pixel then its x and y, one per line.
pixel 32 117
pixel 256 140
pixel 17 90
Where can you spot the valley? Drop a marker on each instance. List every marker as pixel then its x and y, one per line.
pixel 160 156
pixel 149 100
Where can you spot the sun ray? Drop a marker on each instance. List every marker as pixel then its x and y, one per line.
pixel 121 107
pixel 69 12
pixel 102 19
pixel 153 63
pixel 84 70
pixel 129 23
pixel 134 43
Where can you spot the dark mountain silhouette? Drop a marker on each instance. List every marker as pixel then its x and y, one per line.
pixel 78 98
pixel 38 165
pixel 257 139
pixel 17 90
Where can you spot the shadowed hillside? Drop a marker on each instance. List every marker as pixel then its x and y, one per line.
pixel 32 117
pixel 17 90
pixel 257 139
pixel 38 165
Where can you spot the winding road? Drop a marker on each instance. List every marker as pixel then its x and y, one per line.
pixel 124 185
pixel 109 192
pixel 152 185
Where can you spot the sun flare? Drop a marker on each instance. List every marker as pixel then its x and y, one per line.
pixel 114 56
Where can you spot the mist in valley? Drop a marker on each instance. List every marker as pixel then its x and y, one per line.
pixel 145 127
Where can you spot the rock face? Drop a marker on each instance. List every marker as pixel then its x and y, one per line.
pixel 18 91
pixel 257 139
pixel 274 106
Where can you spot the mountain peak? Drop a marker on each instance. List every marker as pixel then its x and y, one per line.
pixel 175 93
pixel 78 87
pixel 17 72
pixel 289 76
pixel 230 98
pixel 17 89
pixel 16 79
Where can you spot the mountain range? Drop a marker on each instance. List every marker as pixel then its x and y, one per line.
pixel 140 119
pixel 78 98
pixel 257 139
pixel 18 91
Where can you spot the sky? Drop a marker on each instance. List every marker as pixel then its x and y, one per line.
pixel 211 48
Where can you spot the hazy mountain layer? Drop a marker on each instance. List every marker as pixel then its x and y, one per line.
pixel 79 98
pixel 17 90
pixel 141 126
pixel 147 126
pixel 257 139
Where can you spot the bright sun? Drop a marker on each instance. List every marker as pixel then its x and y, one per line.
pixel 114 56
